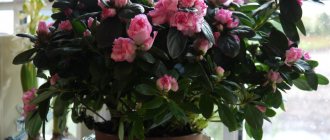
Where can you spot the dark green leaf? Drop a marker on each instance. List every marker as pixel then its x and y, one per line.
pixel 229 46
pixel 176 43
pixel 302 66
pixel 43 96
pixel 253 117
pixel 206 106
pixel 43 109
pixel 227 117
pixel 302 84
pixel 31 37
pixel 322 79
pixel 207 31
pixel 312 79
pixel 153 104
pixel 301 27
pixel 248 7
pixel 61 4
pixel 226 93
pixel 244 32
pixel 270 113
pixel 145 89
pixel 177 111
pixel 148 58
pixel 290 29
pixel 290 10
pixel 130 11
pixel 108 31
pixel 78 26
pixel 278 42
pixel 24 57
pixel 33 124
pixel 313 63
pixel 273 99
pixel 255 133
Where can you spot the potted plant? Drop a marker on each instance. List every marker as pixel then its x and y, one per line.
pixel 164 69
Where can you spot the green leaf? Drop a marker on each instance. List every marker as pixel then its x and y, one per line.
pixel 60 106
pixel 322 79
pixel 226 93
pixel 145 89
pixel 31 37
pixel 229 46
pixel 148 58
pixel 290 10
pixel 44 95
pixel 302 66
pixel 312 79
pixel 130 11
pixel 206 106
pixel 253 117
pixel 290 29
pixel 273 99
pixel 244 31
pixel 207 31
pixel 176 43
pixel 121 131
pixel 24 57
pixel 177 111
pixel 227 117
pixel 61 4
pixel 313 63
pixel 206 82
pixel 249 7
pixel 43 109
pixel 278 41
pixel 153 104
pixel 270 112
pixel 33 124
pixel 255 133
pixel 244 18
pixel 301 27
pixel 302 84
pixel 78 26
pixel 28 77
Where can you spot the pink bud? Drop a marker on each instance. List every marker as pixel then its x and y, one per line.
pixel 120 3
pixel 274 77
pixel 167 83
pixel 202 45
pixel 108 12
pixel 87 33
pixel 261 108
pixel 307 56
pixel 219 71
pixel 42 28
pixel 293 55
pixel 68 11
pixel 54 79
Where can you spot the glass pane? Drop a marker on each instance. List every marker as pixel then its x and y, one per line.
pixel 7 24
pixel 307 114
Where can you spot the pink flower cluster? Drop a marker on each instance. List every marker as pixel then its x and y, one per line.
pixel 167 83
pixel 28 96
pixel 106 12
pixel 224 17
pixel 139 33
pixel 167 11
pixel 65 25
pixel 294 54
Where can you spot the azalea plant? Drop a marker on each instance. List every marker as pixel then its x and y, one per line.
pixel 166 68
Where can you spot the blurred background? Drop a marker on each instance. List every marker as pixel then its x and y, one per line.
pixel 306 116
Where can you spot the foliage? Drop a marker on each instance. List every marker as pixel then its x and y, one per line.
pixel 254 55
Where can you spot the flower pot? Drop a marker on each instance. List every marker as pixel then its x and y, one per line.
pixel 102 136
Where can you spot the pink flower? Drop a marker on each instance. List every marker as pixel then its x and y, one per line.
pixel 274 77
pixel 232 24
pixel 187 3
pixel 108 12
pixel 164 9
pixel 201 7
pixel 87 33
pixel 90 22
pixel 219 71
pixel 223 16
pixel 307 56
pixel 43 28
pixel 147 44
pixel 28 96
pixel 65 25
pixel 292 55
pixel 300 2
pixel 187 23
pixel 167 83
pixel 54 79
pixel 139 29
pixel 120 3
pixel 261 108
pixel 240 2
pixel 123 50
pixel 202 45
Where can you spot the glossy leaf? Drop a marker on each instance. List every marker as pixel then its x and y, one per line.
pixel 206 106
pixel 24 57
pixel 176 43
pixel 227 117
